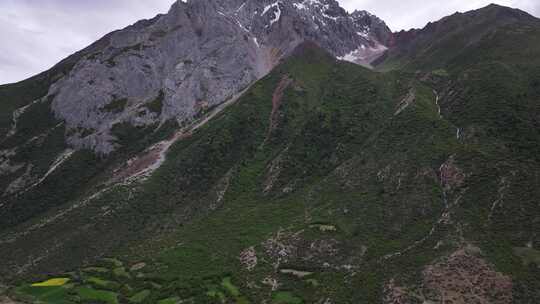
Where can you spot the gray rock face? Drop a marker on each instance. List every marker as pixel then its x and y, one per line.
pixel 196 56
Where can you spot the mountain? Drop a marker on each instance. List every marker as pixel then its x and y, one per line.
pixel 147 80
pixel 321 181
pixel 439 42
pixel 195 57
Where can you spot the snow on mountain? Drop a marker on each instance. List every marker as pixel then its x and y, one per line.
pixel 196 56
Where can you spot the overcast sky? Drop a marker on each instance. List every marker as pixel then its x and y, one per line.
pixel 36 34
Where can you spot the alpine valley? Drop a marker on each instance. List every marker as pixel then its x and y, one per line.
pixel 279 152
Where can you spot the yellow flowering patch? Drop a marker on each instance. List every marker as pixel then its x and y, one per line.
pixel 52 282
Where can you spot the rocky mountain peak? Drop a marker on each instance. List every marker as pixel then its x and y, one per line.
pixel 373 25
pixel 195 57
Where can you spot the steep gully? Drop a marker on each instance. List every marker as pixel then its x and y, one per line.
pixel 445 216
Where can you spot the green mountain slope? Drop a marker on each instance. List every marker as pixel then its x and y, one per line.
pixel 324 183
pixel 33 141
pixel 439 43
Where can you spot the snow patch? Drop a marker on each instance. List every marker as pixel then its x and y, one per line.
pixel 242 26
pixel 351 57
pixel 364 34
pixel 277 13
pixel 325 15
pixel 300 6
pixel 304 5
pixel 268 7
pixel 364 54
pixel 241 7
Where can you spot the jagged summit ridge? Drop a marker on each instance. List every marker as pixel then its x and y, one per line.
pixel 197 56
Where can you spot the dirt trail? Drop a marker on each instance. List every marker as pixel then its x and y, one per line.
pixel 409 99
pixel 142 167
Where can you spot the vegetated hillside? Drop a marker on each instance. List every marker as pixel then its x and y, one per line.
pixel 38 168
pixel 485 69
pixel 324 183
pixel 437 44
pixel 64 132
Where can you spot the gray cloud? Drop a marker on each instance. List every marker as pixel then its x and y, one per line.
pixel 36 34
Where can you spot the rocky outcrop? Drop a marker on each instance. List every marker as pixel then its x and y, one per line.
pixel 462 277
pixel 199 53
pixel 451 175
pixel 465 277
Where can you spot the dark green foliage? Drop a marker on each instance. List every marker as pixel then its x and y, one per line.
pixel 156 105
pixel 52 192
pixel 134 139
pixel 490 93
pixel 116 106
